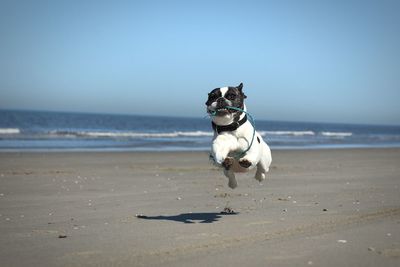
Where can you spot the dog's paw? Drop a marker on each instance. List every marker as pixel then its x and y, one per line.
pixel 244 163
pixel 259 176
pixel 232 183
pixel 227 163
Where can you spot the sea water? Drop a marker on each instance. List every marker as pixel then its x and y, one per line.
pixel 37 131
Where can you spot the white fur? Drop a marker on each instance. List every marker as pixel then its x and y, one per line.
pixel 230 144
pixel 223 90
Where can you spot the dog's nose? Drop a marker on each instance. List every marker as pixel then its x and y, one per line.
pixel 221 101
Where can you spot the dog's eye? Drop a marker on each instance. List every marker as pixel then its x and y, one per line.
pixel 212 97
pixel 230 96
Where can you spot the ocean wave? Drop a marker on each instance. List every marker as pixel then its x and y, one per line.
pixel 306 133
pixel 101 134
pixel 10 131
pixel 337 134
pixel 291 133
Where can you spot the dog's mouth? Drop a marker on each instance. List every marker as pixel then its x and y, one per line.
pixel 222 111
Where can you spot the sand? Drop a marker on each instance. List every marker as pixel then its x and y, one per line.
pixel 316 208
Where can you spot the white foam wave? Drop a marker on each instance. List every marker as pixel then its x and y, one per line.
pixel 336 134
pixel 9 131
pixel 131 134
pixel 291 133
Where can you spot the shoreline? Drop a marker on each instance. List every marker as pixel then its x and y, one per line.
pixel 332 207
pixel 196 150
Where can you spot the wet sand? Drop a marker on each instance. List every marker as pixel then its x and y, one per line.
pixel 316 208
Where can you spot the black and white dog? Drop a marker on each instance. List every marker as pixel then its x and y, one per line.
pixel 233 134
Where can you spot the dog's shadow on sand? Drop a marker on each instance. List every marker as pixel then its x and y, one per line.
pixel 202 217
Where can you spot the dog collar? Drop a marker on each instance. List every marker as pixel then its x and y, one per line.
pixel 228 128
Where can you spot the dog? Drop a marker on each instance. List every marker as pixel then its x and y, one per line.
pixel 231 147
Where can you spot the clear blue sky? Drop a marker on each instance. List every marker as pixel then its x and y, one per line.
pixel 329 61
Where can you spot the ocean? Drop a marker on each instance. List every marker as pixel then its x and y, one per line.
pixel 60 131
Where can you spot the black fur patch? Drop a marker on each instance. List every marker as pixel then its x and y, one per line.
pixel 258 139
pixel 244 163
pixel 213 95
pixel 236 96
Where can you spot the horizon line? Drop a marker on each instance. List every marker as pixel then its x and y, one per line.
pixel 188 117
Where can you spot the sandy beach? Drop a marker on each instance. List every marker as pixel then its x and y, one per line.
pixel 316 208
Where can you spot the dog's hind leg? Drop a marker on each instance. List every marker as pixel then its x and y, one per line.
pixel 263 165
pixel 232 179
pixel 261 171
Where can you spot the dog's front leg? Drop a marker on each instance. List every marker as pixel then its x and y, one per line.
pixel 232 179
pixel 221 146
pixel 252 156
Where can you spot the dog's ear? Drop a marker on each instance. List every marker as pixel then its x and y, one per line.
pixel 240 88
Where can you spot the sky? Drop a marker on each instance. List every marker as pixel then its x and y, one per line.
pixel 300 60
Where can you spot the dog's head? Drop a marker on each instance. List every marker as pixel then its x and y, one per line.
pixel 220 98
